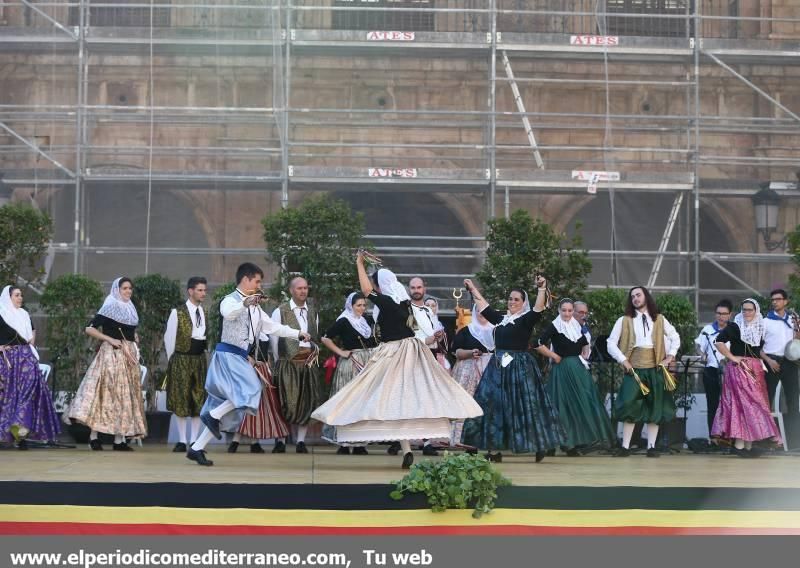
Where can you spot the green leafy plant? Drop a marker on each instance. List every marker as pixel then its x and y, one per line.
pixel 605 307
pixel 316 240
pixel 24 235
pixel 154 296
pixel 457 481
pixel 520 247
pixel 793 238
pixel 680 312
pixel 70 301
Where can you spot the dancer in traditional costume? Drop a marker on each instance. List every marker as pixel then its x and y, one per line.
pixel 713 359
pixel 109 399
pixel 232 384
pixel 570 385
pixel 744 415
pixel 403 393
pixel 645 344
pixel 517 412
pixel 357 344
pixel 472 347
pixel 26 407
pixel 440 348
pixel 301 385
pixel 267 422
pixel 185 344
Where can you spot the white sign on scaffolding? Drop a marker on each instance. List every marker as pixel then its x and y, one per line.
pixel 594 177
pixel 593 40
pixel 391 36
pixel 393 172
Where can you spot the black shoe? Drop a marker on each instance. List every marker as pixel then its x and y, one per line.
pixel 211 423
pixel 496 458
pixel 280 448
pixel 300 448
pixel 256 448
pixel 96 445
pixel 622 452
pixel 428 450
pixel 360 451
pixel 756 452
pixel 551 453
pixel 653 453
pixel 123 447
pixel 22 445
pixel 539 456
pixel 741 453
pixel 343 451
pixel 408 460
pixel 472 451
pixel 233 447
pixel 198 456
pixel 393 449
pixel 573 453
pixel 179 447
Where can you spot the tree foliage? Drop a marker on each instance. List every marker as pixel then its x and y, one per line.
pixel 70 301
pixel 24 235
pixel 213 317
pixel 154 296
pixel 316 240
pixel 521 247
pixel 794 278
pixel 680 312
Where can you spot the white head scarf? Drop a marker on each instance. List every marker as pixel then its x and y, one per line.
pixel 752 333
pixel 391 287
pixel 511 318
pixel 437 325
pixel 359 323
pixel 16 318
pixel 570 328
pixel 117 309
pixel 483 332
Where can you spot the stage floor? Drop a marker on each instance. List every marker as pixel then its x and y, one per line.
pixel 154 463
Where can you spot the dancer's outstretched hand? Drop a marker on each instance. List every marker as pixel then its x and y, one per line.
pixel 469 285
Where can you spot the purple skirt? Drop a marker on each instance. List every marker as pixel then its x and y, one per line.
pixel 25 400
pixel 744 406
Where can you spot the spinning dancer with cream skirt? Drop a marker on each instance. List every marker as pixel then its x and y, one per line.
pixel 403 393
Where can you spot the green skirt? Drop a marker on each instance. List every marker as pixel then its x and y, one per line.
pixel 186 384
pixel 580 409
pixel 301 390
pixel 632 406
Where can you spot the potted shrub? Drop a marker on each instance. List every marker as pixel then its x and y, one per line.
pixel 70 301
pixel 154 296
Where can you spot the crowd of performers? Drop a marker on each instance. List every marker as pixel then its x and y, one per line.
pixel 393 382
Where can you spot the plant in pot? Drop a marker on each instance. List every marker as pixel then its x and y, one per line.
pixel 154 296
pixel 69 302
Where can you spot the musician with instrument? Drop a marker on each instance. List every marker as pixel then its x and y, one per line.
pixel 781 327
pixel 232 384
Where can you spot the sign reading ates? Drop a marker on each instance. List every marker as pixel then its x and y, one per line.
pixel 393 172
pixel 391 36
pixel 591 40
pixel 592 178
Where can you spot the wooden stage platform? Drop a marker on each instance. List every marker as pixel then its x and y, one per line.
pixel 155 491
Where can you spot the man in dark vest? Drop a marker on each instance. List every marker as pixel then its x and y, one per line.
pixel 185 343
pixel 301 388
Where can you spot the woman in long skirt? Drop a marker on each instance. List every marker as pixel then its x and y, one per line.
pixel 109 399
pixel 472 346
pixel 354 331
pixel 570 385
pixel 26 407
pixel 517 412
pixel 403 393
pixel 743 414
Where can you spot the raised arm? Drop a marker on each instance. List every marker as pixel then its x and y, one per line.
pixel 476 294
pixel 363 277
pixel 541 294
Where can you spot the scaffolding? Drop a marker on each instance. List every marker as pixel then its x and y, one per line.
pixel 556 106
